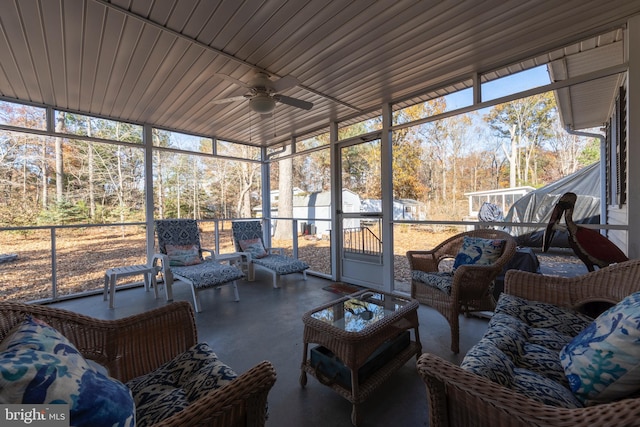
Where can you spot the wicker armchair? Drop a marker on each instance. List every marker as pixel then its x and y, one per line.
pixel 459 398
pixel 136 345
pixel 471 284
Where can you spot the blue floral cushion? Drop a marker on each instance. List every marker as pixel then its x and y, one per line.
pixel 173 386
pixel 477 251
pixel 38 365
pixel 603 362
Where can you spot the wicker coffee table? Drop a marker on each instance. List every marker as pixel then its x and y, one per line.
pixel 352 329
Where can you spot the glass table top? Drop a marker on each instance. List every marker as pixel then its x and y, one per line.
pixel 355 314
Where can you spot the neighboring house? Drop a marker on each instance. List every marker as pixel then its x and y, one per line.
pixel 316 209
pixel 504 198
pixel 403 209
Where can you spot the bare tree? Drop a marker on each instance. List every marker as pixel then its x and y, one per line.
pixel 284 229
pixel 59 160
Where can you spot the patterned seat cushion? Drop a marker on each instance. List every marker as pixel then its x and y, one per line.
pixel 442 280
pixel 38 365
pixel 543 389
pixel 176 384
pixel 542 315
pixel 208 273
pixel 281 264
pixel 521 349
pixel 487 360
pixel 248 231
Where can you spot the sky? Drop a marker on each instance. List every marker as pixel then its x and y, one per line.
pixel 518 82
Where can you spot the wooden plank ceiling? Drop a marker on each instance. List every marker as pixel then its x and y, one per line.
pixel 164 62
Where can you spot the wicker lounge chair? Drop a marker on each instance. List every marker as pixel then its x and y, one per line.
pixel 181 257
pixel 248 239
pixel 468 289
pixel 457 397
pixel 138 345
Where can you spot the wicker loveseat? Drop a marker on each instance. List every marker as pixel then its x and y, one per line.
pixel 134 348
pixel 476 393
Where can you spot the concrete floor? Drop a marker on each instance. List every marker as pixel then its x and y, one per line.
pixel 266 324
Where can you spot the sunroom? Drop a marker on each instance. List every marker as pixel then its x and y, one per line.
pixel 321 118
pixel 97 133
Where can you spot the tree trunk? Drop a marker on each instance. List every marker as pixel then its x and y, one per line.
pixel 92 188
pixel 196 201
pixel 158 182
pixel 90 165
pixel 284 229
pixel 45 175
pixel 59 161
pixel 512 157
pixel 120 188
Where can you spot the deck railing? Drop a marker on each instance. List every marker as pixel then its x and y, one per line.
pixel 362 241
pixel 51 263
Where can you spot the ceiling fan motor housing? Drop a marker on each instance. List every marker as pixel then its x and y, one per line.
pixel 262 83
pixel 262 103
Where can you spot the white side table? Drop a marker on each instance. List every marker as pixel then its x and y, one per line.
pixel 232 258
pixel 111 277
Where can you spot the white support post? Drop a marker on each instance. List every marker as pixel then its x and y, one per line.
pixel 633 134
pixel 336 200
pixel 388 279
pixel 147 139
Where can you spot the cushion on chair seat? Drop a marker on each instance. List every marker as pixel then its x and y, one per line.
pixel 543 315
pixel 442 280
pixel 208 273
pixel 521 349
pixel 281 264
pixel 176 384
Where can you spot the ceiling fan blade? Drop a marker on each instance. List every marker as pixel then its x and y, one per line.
pixel 226 100
pixel 233 80
pixel 284 83
pixel 294 102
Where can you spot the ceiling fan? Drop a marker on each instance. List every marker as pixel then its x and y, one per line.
pixel 263 93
